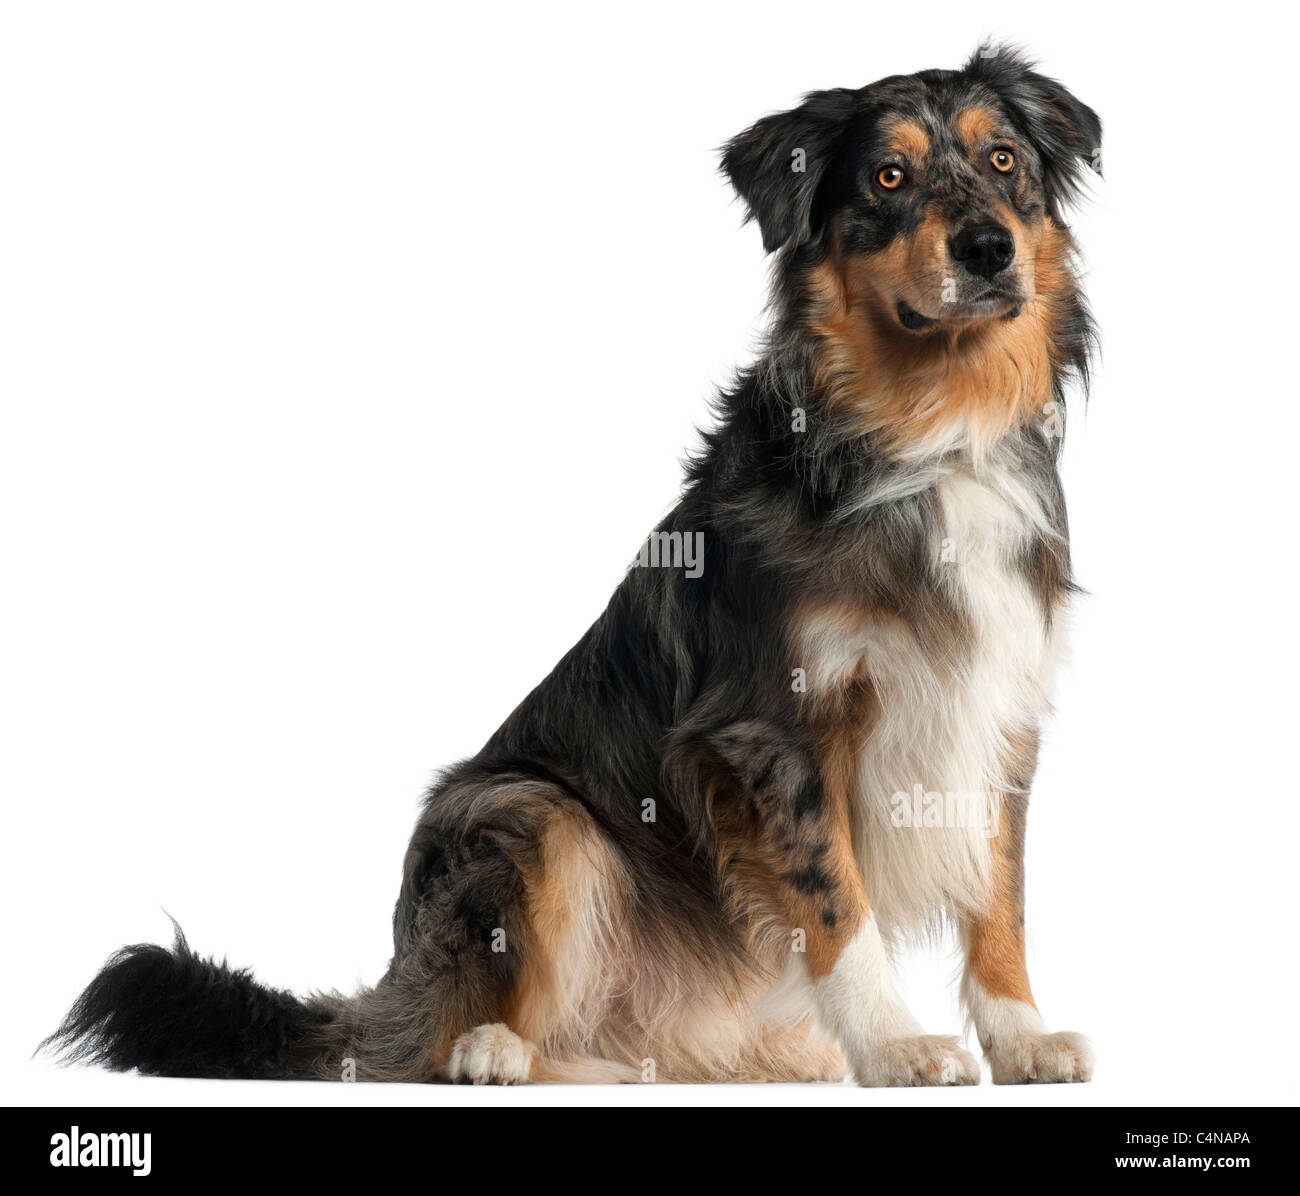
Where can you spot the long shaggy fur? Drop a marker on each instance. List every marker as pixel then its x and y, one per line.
pixel 173 1013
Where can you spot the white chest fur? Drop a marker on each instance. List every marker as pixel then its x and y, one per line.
pixel 932 771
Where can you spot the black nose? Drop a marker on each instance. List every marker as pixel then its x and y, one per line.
pixel 984 249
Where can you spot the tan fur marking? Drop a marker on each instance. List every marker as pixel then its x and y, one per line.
pixel 995 938
pixel 574 917
pixel 909 138
pixel 840 736
pixel 754 869
pixel 991 375
pixel 975 124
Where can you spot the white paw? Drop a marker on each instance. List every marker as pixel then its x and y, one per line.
pixel 924 1061
pixel 491 1055
pixel 1064 1058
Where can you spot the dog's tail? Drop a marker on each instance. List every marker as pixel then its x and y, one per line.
pixel 173 1013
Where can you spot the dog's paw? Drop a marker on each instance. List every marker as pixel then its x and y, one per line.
pixel 1064 1058
pixel 491 1055
pixel 924 1061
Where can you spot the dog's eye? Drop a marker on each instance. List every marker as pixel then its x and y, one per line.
pixel 1004 161
pixel 890 177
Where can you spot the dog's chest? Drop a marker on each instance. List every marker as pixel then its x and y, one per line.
pixel 946 711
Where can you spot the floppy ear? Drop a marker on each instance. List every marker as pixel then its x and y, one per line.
pixel 1064 130
pixel 778 163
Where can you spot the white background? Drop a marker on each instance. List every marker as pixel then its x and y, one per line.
pixel 349 351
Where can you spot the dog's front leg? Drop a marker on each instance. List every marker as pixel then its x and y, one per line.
pixel 881 1040
pixel 796 829
pixel 995 986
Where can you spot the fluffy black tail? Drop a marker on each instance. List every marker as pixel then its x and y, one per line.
pixel 172 1013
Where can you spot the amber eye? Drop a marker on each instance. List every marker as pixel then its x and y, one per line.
pixel 1004 161
pixel 890 177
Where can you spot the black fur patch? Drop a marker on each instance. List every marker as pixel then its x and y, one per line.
pixel 171 1013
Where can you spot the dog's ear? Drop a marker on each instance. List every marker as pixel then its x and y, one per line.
pixel 778 164
pixel 1064 130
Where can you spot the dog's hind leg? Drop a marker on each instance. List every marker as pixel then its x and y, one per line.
pixel 573 901
pixel 504 940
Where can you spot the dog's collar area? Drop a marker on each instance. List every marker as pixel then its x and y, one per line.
pixel 912 319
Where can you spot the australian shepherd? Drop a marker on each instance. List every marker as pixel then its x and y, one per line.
pixel 804 729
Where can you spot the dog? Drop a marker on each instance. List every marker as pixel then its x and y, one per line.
pixel 687 855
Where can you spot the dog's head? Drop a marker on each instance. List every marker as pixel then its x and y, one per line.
pixel 920 217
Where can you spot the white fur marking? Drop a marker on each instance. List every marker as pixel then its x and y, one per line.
pixel 944 723
pixel 1018 1046
pixel 492 1054
pixel 881 1040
